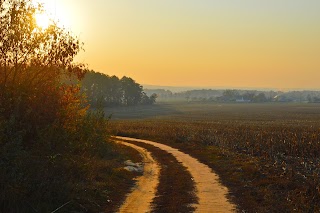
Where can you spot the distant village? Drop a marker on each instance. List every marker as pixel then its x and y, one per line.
pixel 240 96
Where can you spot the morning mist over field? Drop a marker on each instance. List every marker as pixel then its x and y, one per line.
pixel 206 43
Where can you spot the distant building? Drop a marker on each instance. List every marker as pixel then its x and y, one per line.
pixel 242 100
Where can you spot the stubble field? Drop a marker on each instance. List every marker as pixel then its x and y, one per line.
pixel 267 154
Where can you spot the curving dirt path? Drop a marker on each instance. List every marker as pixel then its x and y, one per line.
pixel 211 194
pixel 140 199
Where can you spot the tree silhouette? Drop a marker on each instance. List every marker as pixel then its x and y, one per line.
pixel 112 91
pixel 132 91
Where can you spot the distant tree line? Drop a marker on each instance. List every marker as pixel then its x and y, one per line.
pixel 240 96
pixel 105 90
pixel 233 95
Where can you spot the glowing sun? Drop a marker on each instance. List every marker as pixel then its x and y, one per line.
pixel 52 12
pixel 43 21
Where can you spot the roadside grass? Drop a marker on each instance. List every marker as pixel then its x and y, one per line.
pixel 73 171
pixel 85 184
pixel 175 192
pixel 268 155
pixel 100 185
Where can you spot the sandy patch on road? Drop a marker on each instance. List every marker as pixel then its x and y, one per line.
pixel 210 192
pixel 140 199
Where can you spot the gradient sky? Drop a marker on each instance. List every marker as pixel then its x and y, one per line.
pixel 209 43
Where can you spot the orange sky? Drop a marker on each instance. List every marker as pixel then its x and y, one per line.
pixel 209 43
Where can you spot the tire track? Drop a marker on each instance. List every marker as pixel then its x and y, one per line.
pixel 140 199
pixel 212 195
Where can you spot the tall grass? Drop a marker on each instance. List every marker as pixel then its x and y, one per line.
pixel 75 167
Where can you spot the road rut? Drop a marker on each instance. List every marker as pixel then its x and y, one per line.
pixel 140 199
pixel 212 195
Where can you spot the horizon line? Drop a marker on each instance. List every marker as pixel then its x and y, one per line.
pixel 233 87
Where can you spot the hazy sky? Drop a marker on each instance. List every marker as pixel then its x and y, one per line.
pixel 236 43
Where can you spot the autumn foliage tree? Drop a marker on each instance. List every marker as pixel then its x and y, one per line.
pixel 47 136
pixel 33 63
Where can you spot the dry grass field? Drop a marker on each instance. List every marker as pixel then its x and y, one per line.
pixel 267 154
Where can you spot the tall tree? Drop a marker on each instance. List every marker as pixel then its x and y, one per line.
pixel 132 91
pixel 32 63
pixel 112 91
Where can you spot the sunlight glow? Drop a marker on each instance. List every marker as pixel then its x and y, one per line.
pixel 249 43
pixel 42 20
pixel 53 12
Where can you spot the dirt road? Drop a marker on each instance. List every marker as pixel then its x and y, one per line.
pixel 211 194
pixel 140 198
